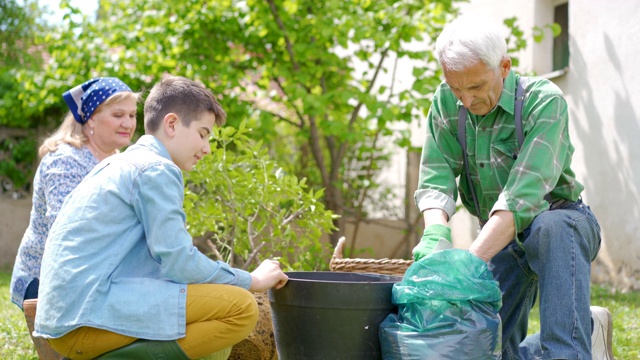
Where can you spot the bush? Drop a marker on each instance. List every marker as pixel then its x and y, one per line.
pixel 248 209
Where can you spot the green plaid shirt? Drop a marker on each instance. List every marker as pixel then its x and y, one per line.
pixel 504 176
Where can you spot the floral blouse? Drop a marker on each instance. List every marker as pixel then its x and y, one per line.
pixel 58 174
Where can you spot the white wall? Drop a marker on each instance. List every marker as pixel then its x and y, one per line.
pixel 604 99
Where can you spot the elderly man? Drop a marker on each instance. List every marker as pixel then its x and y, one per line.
pixel 507 137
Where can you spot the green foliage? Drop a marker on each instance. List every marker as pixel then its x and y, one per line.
pixel 316 80
pixel 538 32
pixel 24 103
pixel 516 41
pixel 18 27
pixel 250 209
pixel 306 75
pixel 17 168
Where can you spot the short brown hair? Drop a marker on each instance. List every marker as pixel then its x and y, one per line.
pixel 183 97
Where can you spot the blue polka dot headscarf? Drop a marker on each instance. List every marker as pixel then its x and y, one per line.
pixel 84 99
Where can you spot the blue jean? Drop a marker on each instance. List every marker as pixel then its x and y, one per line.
pixel 32 290
pixel 554 261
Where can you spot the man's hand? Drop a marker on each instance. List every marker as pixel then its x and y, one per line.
pixel 266 276
pixel 430 238
pixel 494 236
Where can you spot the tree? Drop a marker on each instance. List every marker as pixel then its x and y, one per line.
pixel 19 28
pixel 307 74
pixel 314 79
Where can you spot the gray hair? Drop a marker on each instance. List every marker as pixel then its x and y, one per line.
pixel 467 40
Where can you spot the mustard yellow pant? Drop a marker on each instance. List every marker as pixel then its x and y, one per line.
pixel 218 316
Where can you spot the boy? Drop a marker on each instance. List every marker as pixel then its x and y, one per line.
pixel 119 264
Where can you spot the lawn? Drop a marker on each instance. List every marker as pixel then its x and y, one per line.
pixel 14 338
pixel 625 307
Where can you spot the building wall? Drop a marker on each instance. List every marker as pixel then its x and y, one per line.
pixel 603 98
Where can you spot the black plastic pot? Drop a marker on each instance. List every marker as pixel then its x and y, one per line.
pixel 331 315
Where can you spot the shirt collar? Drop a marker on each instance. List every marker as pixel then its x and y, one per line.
pixel 508 97
pixel 153 143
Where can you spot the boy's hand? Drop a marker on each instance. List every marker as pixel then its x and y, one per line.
pixel 430 238
pixel 266 276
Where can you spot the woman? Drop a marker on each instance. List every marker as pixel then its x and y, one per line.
pixel 102 119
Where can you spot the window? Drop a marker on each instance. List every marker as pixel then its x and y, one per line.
pixel 561 42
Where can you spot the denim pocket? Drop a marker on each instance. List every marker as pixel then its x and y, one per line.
pixel 591 218
pixel 519 255
pixel 588 224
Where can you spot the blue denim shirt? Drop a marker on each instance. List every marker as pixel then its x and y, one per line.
pixel 119 257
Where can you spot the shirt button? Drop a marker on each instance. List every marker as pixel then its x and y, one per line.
pixel 481 165
pixel 79 352
pixel 182 291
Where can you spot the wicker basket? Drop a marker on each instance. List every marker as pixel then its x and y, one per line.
pixel 376 266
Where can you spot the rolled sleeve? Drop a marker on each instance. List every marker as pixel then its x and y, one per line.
pixel 501 204
pixel 431 199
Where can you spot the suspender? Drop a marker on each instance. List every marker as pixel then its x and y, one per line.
pixel 518 112
pixel 462 137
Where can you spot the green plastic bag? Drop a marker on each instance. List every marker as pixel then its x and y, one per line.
pixel 448 307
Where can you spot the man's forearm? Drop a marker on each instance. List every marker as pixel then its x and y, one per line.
pixel 495 235
pixel 435 216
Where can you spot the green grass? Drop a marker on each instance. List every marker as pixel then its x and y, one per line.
pixel 625 307
pixel 15 343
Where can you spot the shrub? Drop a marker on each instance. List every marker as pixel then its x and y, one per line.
pixel 248 209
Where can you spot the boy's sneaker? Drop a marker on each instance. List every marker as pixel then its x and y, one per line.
pixel 602 334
